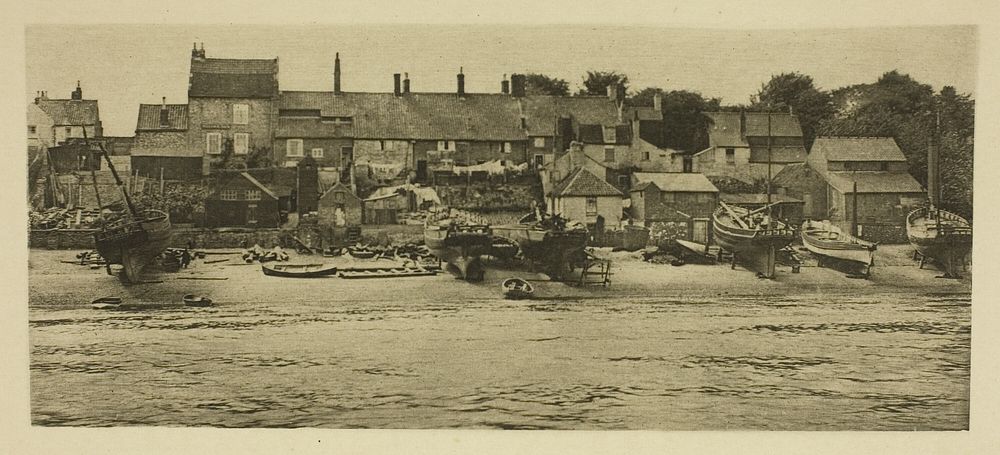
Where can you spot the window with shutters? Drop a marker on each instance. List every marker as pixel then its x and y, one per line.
pixel 241 114
pixel 446 146
pixel 230 195
pixel 253 195
pixel 316 152
pixel 241 143
pixel 213 143
pixel 293 147
pixel 609 154
pixel 591 206
pixel 506 147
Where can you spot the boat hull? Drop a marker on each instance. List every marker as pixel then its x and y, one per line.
pixel 556 252
pixel 298 270
pixel 828 242
pixel 134 246
pixel 459 249
pixel 754 248
pixel 516 289
pixel 944 237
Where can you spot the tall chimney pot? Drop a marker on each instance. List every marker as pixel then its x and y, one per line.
pixel 517 85
pixel 461 82
pixel 164 114
pixel 743 123
pixel 336 74
pixel 505 85
pixel 395 88
pixel 406 82
pixel 658 101
pixel 77 94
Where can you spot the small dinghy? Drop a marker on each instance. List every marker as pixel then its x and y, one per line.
pixel 361 253
pixel 104 303
pixel 299 270
pixel 516 288
pixel 197 300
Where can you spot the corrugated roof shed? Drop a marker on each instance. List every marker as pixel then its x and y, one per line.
pixel 420 116
pixel 70 112
pixel 675 182
pixel 874 182
pixel 858 148
pixel 149 117
pixel 582 182
pixel 233 78
pixel 725 128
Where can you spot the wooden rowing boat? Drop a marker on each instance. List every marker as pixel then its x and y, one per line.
pixel 516 289
pixel 197 300
pixel 298 270
pixel 385 272
pixel 752 240
pixel 829 241
pixel 104 303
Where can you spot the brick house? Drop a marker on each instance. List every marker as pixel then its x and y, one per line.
pixel 161 143
pixel 52 122
pixel 737 145
pixel 231 106
pixel 588 199
pixel 673 204
pixel 873 172
pixel 339 206
pixel 240 200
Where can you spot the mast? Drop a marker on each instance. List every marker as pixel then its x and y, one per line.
pixel 93 174
pixel 118 180
pixel 933 183
pixel 769 164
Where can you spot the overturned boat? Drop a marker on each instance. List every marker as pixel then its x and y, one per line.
pixel 751 236
pixel 548 242
pixel 828 241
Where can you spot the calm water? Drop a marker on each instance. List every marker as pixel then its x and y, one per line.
pixel 878 362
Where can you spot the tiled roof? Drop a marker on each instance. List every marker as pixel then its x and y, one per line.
pixel 676 182
pixel 312 128
pixel 725 127
pixel 643 113
pixel 582 182
pixel 757 198
pixel 421 116
pixel 70 112
pixel 874 182
pixel 779 154
pixel 233 78
pixel 793 174
pixel 541 112
pixel 594 134
pixel 858 149
pixel 149 117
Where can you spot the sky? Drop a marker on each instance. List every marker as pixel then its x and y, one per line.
pixel 124 65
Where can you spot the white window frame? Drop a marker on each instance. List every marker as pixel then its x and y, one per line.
pixel 589 200
pixel 610 134
pixel 213 139
pixel 236 143
pixel 316 152
pixel 446 146
pixel 241 114
pixel 293 147
pixel 614 155
pixel 229 195
pixel 507 147
pixel 253 195
pixel 539 142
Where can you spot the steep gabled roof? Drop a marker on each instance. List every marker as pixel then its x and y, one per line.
pixel 582 182
pixel 725 127
pixel 70 112
pixel 233 78
pixel 149 117
pixel 858 148
pixel 419 116
pixel 675 182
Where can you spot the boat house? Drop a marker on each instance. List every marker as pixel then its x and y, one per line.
pixel 242 201
pixel 673 204
pixel 339 206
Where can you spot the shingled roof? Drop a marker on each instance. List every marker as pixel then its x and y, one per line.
pixel 541 112
pixel 582 182
pixel 149 117
pixel 70 112
pixel 675 182
pixel 420 116
pixel 725 128
pixel 233 78
pixel 873 182
pixel 858 149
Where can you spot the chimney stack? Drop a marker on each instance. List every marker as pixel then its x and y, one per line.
pixel 201 53
pixel 461 82
pixel 395 86
pixel 517 85
pixel 164 114
pixel 658 102
pixel 505 85
pixel 336 74
pixel 743 123
pixel 194 50
pixel 612 92
pixel 406 83
pixel 77 94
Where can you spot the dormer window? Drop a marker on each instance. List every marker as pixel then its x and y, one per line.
pixel 610 136
pixel 446 146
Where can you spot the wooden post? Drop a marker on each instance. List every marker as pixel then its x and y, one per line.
pixel 161 181
pixel 854 212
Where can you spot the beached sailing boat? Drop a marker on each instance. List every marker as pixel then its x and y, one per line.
pixel 549 241
pixel 752 236
pixel 829 241
pixel 132 238
pixel 460 244
pixel 939 234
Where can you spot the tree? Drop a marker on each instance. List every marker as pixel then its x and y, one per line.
pixel 795 91
pixel 685 124
pixel 540 84
pixel 597 82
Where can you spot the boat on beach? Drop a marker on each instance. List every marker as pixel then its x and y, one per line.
pixel 549 242
pixel 942 236
pixel 196 300
pixel 516 288
pixel 752 237
pixel 829 241
pixel 460 245
pixel 104 303
pixel 298 270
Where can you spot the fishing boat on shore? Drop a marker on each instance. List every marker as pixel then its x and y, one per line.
pixel 516 288
pixel 829 241
pixel 935 233
pixel 298 270
pixel 133 237
pixel 751 236
pixel 549 242
pixel 460 244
